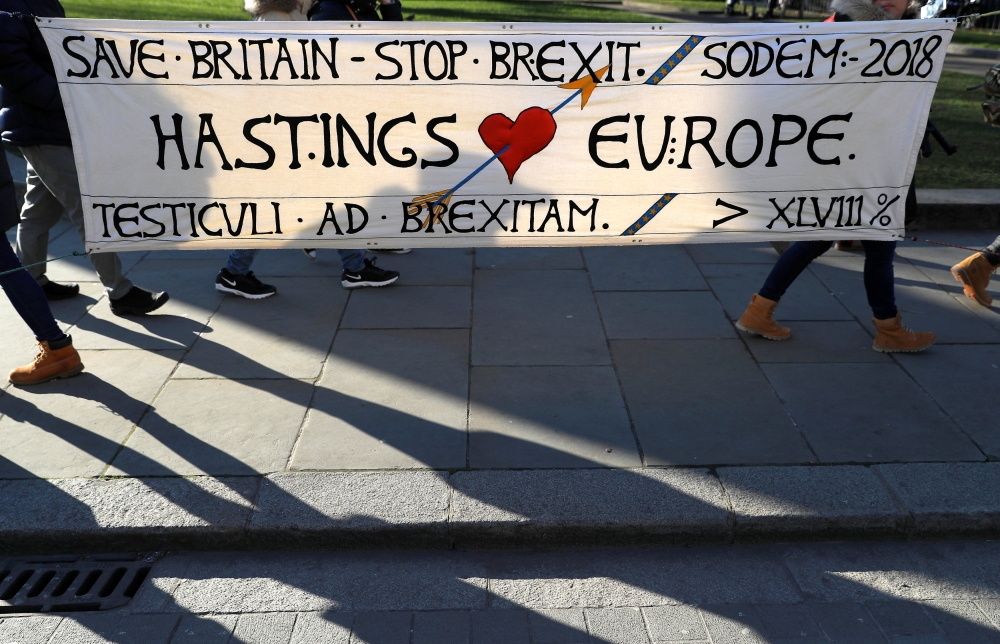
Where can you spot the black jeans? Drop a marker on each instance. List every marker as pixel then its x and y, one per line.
pixel 27 296
pixel 878 273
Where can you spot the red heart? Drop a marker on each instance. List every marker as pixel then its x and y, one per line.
pixel 527 136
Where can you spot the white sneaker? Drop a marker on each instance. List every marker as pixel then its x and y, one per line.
pixel 310 253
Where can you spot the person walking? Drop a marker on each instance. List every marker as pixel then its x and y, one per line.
pixel 236 277
pixel 974 273
pixel 32 119
pixel 56 356
pixel 891 335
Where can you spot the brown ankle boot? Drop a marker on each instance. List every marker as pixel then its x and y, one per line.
pixel 892 337
pixel 49 364
pixel 758 319
pixel 974 274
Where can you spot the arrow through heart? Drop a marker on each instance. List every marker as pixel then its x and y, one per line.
pixel 524 138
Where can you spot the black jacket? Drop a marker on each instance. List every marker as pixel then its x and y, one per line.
pixel 357 10
pixel 31 109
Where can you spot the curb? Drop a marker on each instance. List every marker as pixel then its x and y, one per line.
pixel 502 508
pixel 974 52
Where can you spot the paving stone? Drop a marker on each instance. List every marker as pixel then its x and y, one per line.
pixel 734 623
pixel 567 506
pixel 286 336
pixel 390 399
pixel 328 628
pixel 739 253
pixel 176 325
pixel 536 318
pixel 523 417
pixel 89 628
pixel 64 239
pixel 824 342
pixel 867 412
pixel 543 258
pixel 292 262
pixel 667 315
pixel 361 508
pixel 382 628
pixel 432 266
pixel 788 622
pixel 499 627
pixel 558 626
pixel 674 623
pixel 923 304
pixel 702 402
pixel 101 515
pixel 990 608
pixel 846 623
pixel 965 381
pixel 845 500
pixel 74 427
pixel 146 629
pixel 19 341
pixel 617 625
pixel 204 629
pixel 902 620
pixel 264 628
pixel 962 621
pixel 806 299
pixel 663 267
pixel 409 307
pixel 28 630
pixel 948 498
pixel 190 433
pixel 442 627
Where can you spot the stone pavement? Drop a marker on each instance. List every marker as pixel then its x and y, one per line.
pixel 853 593
pixel 502 396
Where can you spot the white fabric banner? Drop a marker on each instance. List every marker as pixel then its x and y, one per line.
pixel 359 135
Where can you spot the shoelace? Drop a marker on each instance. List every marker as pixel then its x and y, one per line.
pixel 43 353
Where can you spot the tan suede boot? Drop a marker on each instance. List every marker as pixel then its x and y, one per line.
pixel 892 337
pixel 758 319
pixel 49 364
pixel 974 274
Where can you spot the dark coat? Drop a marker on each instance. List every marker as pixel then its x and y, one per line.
pixel 31 109
pixel 9 212
pixel 355 10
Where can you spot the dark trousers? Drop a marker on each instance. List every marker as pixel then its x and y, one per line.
pixel 27 296
pixel 878 273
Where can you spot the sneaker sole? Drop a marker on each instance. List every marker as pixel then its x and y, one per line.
pixel 763 335
pixel 350 285
pixel 963 277
pixel 75 371
pixel 887 350
pixel 405 251
pixel 232 291
pixel 158 304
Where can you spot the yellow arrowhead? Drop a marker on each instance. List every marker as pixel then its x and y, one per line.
pixel 587 85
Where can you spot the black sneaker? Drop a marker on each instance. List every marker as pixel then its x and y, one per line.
pixel 370 275
pixel 138 301
pixel 247 286
pixel 55 291
pixel 394 251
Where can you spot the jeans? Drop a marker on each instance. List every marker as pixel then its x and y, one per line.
pixel 878 273
pixel 239 261
pixel 53 188
pixel 27 296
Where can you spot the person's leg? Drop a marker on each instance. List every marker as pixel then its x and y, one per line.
pixel 240 261
pixel 975 270
pixel 890 334
pixel 40 212
pixel 27 297
pixel 237 278
pixel 790 265
pixel 56 167
pixel 879 278
pixel 352 260
pixel 992 252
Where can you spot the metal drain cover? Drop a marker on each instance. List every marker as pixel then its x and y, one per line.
pixel 50 584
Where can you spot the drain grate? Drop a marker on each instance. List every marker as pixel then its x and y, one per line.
pixel 42 585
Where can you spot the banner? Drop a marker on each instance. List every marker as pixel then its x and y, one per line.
pixel 360 135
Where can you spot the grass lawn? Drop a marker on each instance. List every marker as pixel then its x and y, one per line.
pixel 977 38
pixel 433 10
pixel 957 114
